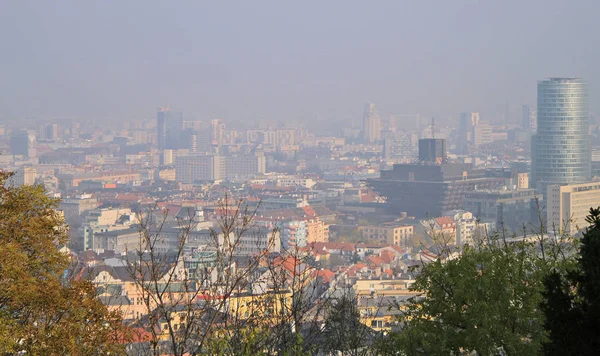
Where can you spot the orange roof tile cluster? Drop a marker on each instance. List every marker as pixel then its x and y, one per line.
pixel 290 264
pixel 445 222
pixel 134 335
pixel 309 211
pixel 325 274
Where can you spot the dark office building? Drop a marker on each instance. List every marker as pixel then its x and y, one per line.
pixel 425 189
pixel 169 127
pixel 432 150
pixel 21 143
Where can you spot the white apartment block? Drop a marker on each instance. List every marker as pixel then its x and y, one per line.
pixel 190 169
pixel 291 181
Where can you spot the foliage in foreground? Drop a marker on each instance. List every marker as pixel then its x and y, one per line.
pixel 41 312
pixel 572 299
pixel 485 301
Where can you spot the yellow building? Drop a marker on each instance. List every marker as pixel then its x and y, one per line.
pixel 316 230
pixel 396 234
pixel 265 306
pixel 380 313
pixel 568 205
pixel 387 287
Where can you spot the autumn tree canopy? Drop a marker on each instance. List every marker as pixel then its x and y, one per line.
pixel 43 312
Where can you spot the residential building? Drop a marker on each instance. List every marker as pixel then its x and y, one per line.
pixel 253 242
pixel 104 176
pixel 299 226
pixel 190 169
pixel 482 134
pixel 468 228
pixel 293 230
pixel 203 167
pixel 568 205
pixel 292 181
pixel 392 233
pixel 107 216
pixel 293 233
pixel 560 148
pixel 74 207
pixel 522 181
pixel 103 220
pixel 442 229
pixel 316 230
pixel 512 210
pixel 244 165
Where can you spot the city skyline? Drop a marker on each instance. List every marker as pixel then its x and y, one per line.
pixel 299 178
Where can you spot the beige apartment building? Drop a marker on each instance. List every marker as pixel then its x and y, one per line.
pixel 568 205
pixel 388 233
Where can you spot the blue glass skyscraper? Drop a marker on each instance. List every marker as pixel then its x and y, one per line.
pixel 560 149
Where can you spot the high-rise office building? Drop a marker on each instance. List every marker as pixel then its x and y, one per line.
pixel 169 128
pixel 371 124
pixel 468 120
pixel 22 142
pixel 75 129
pixel 432 150
pixel 48 132
pixel 526 118
pixel 217 127
pixel 560 149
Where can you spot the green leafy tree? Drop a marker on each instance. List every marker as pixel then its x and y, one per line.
pixel 485 301
pixel 41 311
pixel 572 300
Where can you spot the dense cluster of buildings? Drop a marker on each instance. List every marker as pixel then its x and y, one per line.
pixel 360 203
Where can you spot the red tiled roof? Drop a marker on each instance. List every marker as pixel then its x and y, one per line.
pixel 375 260
pixel 386 256
pixel 309 211
pixel 445 220
pixel 134 335
pixel 325 274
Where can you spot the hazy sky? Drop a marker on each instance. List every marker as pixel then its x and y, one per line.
pixel 283 59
